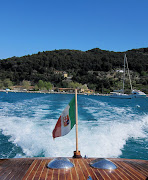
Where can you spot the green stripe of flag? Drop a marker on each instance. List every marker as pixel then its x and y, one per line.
pixel 72 112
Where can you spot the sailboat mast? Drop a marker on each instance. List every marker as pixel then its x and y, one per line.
pixel 129 75
pixel 124 72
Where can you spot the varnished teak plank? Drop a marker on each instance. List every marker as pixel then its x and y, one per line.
pixel 36 168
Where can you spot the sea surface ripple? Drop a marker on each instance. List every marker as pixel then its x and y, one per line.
pixel 107 127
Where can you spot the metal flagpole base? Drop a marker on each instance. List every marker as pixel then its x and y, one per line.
pixel 77 154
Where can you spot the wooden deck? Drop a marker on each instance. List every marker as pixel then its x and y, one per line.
pixel 36 168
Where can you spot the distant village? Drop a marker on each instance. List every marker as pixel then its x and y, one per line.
pixel 47 87
pixel 26 87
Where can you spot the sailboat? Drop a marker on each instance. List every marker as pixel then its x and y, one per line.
pixel 121 93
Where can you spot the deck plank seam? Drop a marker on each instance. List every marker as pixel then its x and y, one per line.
pixel 58 173
pixel 22 170
pixel 102 174
pixel 111 174
pixel 139 174
pixel 52 174
pixel 37 170
pixel 19 172
pixel 46 174
pixel 42 169
pixel 140 168
pixel 119 172
pixel 88 161
pixel 7 175
pixel 81 170
pixel 11 170
pixel 86 168
pixel 71 175
pixel 33 164
pixel 127 172
pixel 131 171
pixel 64 174
pixel 91 172
pixel 75 168
pixel 47 170
pixel 3 170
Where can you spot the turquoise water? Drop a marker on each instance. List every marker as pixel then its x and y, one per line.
pixel 107 127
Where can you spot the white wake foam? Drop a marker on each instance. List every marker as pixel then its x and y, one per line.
pixel 94 141
pixel 103 137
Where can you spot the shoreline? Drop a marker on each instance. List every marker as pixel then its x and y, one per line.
pixel 46 92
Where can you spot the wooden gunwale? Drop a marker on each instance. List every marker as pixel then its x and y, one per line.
pixel 36 168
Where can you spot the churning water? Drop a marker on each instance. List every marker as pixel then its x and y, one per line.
pixel 107 127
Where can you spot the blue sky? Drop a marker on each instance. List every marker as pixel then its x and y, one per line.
pixel 30 26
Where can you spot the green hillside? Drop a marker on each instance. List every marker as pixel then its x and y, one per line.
pixel 97 68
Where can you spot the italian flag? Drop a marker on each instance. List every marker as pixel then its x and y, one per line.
pixel 66 121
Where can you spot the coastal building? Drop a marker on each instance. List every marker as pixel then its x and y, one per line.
pixel 65 74
pixel 72 90
pixel 68 90
pixel 87 91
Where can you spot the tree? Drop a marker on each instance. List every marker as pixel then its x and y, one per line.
pixel 26 84
pixel 48 67
pixel 92 86
pixel 48 85
pixel 41 84
pixel 7 83
pixel 1 84
pixel 76 85
pixel 36 87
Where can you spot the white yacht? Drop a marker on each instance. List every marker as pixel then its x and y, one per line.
pixel 134 93
pixel 138 94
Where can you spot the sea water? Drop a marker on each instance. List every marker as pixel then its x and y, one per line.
pixel 107 127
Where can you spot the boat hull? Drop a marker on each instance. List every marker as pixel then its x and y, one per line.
pixel 127 96
pixel 36 168
pixel 121 96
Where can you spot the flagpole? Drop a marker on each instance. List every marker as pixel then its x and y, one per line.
pixel 77 153
pixel 76 111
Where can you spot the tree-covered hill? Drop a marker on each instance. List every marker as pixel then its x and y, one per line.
pixel 79 64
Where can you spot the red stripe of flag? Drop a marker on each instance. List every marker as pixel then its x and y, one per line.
pixel 57 130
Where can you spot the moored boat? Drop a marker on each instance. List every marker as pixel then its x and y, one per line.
pixel 121 93
pixel 138 94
